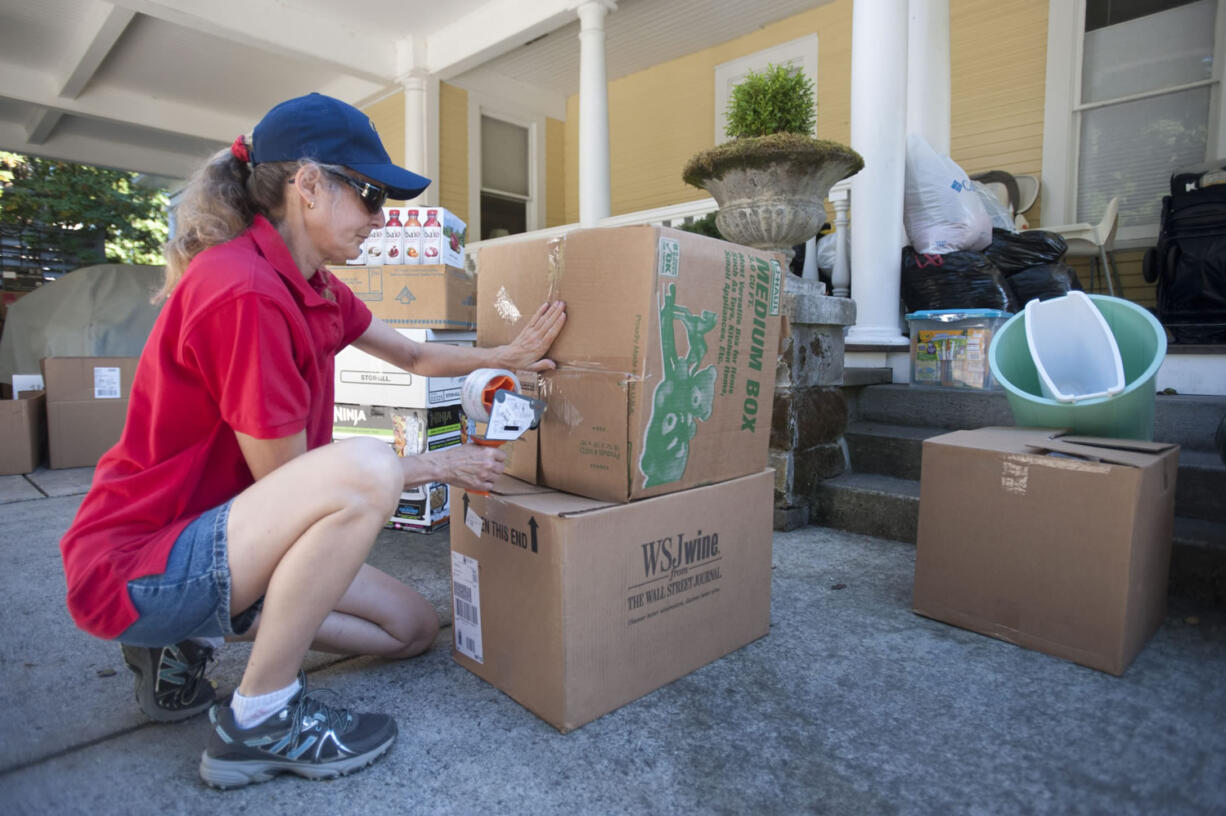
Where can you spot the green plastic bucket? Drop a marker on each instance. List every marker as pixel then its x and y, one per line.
pixel 1126 415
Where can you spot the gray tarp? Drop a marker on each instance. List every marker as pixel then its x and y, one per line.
pixel 94 311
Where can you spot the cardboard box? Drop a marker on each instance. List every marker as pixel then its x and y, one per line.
pixel 409 431
pixel 575 607
pixel 423 511
pixel 414 297
pixel 1055 543
pixel 667 361
pixel 87 403
pixel 364 379
pixel 23 427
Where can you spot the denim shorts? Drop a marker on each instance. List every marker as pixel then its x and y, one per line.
pixel 192 597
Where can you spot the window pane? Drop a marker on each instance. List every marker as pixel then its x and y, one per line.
pixel 1159 51
pixel 504 156
pixel 501 215
pixel 1130 150
pixel 1100 13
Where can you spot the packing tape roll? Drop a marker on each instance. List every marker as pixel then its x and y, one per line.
pixel 477 395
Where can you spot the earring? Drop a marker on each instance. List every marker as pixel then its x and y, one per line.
pixel 311 205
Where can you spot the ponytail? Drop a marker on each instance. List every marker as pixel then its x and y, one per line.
pixel 219 203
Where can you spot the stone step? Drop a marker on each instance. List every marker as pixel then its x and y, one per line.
pixel 868 503
pixel 896 450
pixel 1188 420
pixel 888 507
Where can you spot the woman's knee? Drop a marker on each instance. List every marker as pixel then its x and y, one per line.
pixel 416 629
pixel 371 469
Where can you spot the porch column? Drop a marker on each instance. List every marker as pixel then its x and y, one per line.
pixel 421 130
pixel 878 132
pixel 928 107
pixel 593 113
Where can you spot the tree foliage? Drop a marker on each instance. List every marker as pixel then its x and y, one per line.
pixel 776 100
pixel 91 214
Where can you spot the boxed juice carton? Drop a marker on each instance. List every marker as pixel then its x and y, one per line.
pixel 443 237
pixel 574 607
pixel 414 297
pixel 87 404
pixel 667 361
pixel 364 379
pixel 410 431
pixel 1053 542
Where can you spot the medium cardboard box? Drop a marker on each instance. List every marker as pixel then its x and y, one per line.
pixel 414 297
pixel 667 361
pixel 409 431
pixel 87 403
pixel 363 379
pixel 575 607
pixel 23 427
pixel 1055 543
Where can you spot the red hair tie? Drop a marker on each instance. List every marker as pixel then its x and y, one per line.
pixel 239 150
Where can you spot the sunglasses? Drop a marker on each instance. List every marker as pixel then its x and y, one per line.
pixel 373 196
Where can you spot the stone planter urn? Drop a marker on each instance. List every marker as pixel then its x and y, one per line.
pixel 770 189
pixel 771 192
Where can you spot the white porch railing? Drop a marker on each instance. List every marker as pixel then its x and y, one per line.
pixel 677 215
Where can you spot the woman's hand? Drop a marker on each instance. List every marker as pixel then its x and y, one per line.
pixel 527 351
pixel 470 466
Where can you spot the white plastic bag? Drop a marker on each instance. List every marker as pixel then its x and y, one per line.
pixel 941 210
pixel 828 250
pixel 996 211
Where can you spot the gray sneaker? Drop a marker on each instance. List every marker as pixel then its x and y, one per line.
pixel 170 681
pixel 307 738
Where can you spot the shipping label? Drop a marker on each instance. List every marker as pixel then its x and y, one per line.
pixel 106 383
pixel 466 593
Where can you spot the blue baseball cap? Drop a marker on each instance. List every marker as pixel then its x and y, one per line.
pixel 330 131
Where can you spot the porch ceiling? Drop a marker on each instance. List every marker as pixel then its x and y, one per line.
pixel 154 86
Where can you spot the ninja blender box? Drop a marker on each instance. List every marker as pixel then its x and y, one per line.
pixel 666 365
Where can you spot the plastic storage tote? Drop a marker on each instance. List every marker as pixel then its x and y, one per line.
pixel 1127 415
pixel 949 347
pixel 1074 351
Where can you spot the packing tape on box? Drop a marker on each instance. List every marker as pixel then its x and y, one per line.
pixel 473 394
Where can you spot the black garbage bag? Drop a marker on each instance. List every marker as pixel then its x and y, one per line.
pixel 1016 251
pixel 1043 281
pixel 955 280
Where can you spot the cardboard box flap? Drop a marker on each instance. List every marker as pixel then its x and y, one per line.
pixel 1119 444
pixel 1102 450
pixel 510 486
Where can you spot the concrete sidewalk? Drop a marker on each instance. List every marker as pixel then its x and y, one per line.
pixel 852 704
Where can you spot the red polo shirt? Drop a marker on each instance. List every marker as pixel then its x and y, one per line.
pixel 244 343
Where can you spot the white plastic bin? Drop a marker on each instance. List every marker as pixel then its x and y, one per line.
pixel 1075 353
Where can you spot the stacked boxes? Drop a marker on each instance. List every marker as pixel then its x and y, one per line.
pixel 413 413
pixel 410 431
pixel 644 550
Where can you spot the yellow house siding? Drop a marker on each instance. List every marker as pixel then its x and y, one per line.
pixel 555 172
pixel 388 117
pixel 453 149
pixel 660 117
pixel 998 68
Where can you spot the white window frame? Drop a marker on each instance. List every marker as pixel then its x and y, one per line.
pixel 478 106
pixel 1062 115
pixel 801 51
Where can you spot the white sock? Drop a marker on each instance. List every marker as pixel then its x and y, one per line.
pixel 251 711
